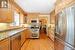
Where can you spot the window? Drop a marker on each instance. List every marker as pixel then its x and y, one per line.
pixel 16 21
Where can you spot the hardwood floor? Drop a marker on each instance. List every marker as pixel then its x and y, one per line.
pixel 43 43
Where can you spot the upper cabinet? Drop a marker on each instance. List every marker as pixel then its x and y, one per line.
pixel 61 4
pixel 52 17
pixel 6 11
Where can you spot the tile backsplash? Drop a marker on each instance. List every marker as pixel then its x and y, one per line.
pixel 3 26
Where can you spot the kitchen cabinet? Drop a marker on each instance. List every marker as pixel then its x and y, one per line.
pixel 52 17
pixel 24 35
pixel 16 42
pixel 5 44
pixel 51 28
pixel 6 12
pixel 62 4
pixel 51 32
pixel 6 16
pixel 28 33
pixel 23 38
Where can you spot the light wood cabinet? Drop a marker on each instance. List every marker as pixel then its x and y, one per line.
pixel 6 13
pixel 23 37
pixel 52 17
pixel 5 44
pixel 51 33
pixel 28 33
pixel 62 4
pixel 16 42
pixel 6 16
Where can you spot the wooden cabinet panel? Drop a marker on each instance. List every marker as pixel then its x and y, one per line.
pixel 5 44
pixel 6 15
pixel 51 31
pixel 51 34
pixel 15 42
pixel 63 4
pixel 52 17
pixel 28 33
pixel 23 37
pixel 58 45
pixel 6 11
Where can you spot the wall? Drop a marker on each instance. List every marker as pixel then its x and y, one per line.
pixel 3 26
pixel 44 18
pixel 31 16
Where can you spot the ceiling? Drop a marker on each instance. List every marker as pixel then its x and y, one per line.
pixel 36 6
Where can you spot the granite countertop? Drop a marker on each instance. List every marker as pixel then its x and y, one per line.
pixel 9 33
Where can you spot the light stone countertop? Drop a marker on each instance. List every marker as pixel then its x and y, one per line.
pixel 9 33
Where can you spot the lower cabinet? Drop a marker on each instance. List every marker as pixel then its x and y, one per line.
pixel 58 45
pixel 5 44
pixel 23 37
pixel 51 33
pixel 16 42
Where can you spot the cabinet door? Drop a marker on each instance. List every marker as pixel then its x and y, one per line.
pixel 6 12
pixel 52 17
pixel 51 33
pixel 22 37
pixel 15 42
pixel 6 15
pixel 5 44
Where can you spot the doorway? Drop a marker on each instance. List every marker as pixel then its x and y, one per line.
pixel 43 25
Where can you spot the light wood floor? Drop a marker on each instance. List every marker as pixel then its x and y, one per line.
pixel 43 43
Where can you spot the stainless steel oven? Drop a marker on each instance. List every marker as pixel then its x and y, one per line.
pixel 34 28
pixel 34 32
